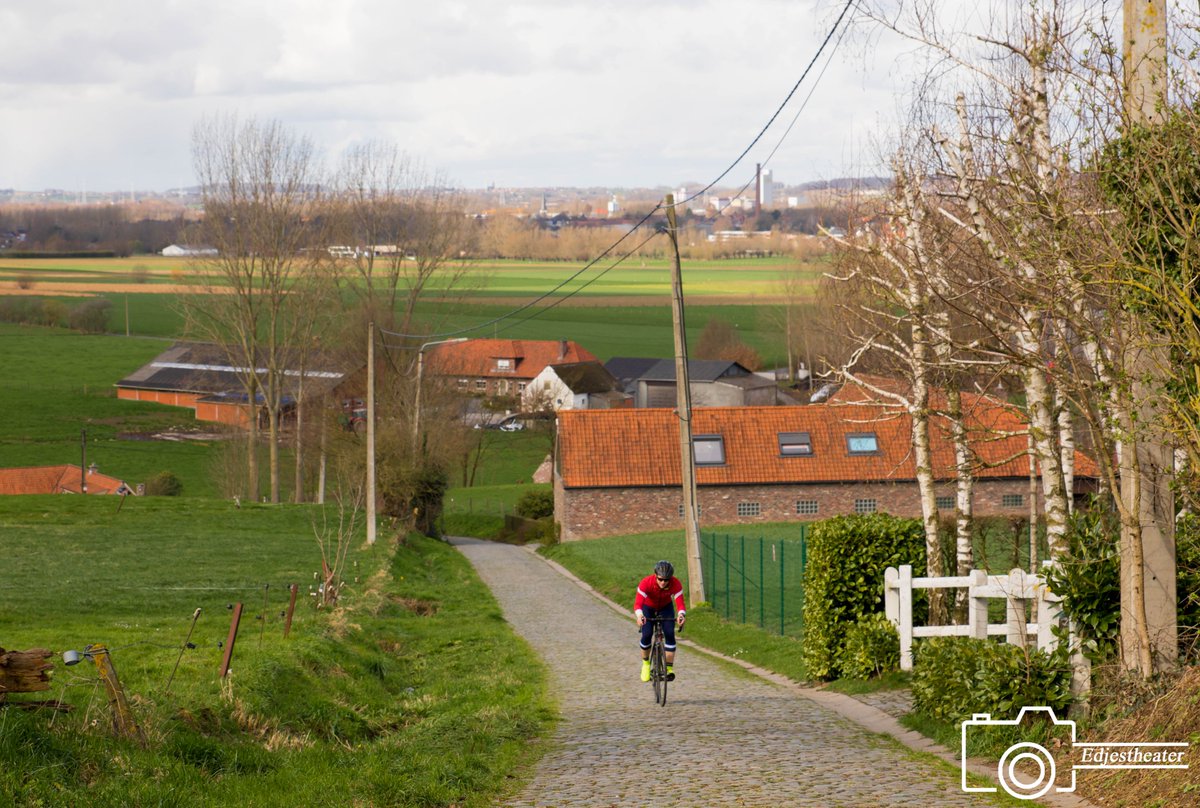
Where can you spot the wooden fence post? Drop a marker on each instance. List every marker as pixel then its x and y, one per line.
pixel 904 581
pixel 123 720
pixel 1015 610
pixel 891 596
pixel 977 605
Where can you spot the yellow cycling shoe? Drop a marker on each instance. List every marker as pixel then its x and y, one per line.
pixel 645 670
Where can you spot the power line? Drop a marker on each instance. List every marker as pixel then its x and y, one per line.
pixel 837 26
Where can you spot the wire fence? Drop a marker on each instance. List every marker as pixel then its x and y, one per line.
pixel 757 581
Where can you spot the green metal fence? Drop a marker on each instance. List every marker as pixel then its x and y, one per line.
pixel 756 580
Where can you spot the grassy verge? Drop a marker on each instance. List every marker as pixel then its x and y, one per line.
pixel 413 692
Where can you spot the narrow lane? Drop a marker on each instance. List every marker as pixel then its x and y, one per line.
pixel 725 738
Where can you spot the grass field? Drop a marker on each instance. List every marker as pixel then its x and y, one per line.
pixel 383 702
pixel 626 312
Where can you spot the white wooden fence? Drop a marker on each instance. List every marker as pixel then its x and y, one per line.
pixel 1018 588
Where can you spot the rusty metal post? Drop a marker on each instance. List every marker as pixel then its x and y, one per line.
pixel 123 720
pixel 233 630
pixel 287 623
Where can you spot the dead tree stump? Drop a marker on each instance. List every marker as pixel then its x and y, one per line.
pixel 24 671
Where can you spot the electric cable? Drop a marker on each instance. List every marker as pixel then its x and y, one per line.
pixel 837 26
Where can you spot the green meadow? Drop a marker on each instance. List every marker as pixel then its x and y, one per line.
pixel 380 701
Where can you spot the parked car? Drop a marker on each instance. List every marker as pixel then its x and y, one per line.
pixel 512 426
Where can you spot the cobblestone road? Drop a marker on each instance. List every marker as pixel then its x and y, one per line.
pixel 725 738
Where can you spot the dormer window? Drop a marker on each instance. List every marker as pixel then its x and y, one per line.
pixel 504 365
pixel 862 443
pixel 795 444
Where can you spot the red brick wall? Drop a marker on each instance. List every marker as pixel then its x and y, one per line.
pixel 232 414
pixel 595 512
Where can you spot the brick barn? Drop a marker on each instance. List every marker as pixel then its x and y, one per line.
pixel 618 471
pixel 200 377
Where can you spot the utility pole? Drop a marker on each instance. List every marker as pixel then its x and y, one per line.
pixel 1148 582
pixel 371 433
pixel 683 408
pixel 416 428
pixel 83 460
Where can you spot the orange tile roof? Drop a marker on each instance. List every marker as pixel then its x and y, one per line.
pixel 476 358
pixel 640 447
pixel 54 480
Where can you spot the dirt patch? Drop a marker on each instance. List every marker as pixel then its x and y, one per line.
pixel 424 608
pixel 56 289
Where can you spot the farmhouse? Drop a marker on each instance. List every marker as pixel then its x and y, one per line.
pixel 201 377
pixel 618 471
pixel 66 479
pixel 574 386
pixel 499 367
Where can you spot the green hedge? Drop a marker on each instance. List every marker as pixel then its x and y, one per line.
pixel 955 677
pixel 847 556
pixel 872 648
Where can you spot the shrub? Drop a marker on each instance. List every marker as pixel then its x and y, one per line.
pixel 956 677
pixel 943 676
pixel 536 504
pixel 1187 575
pixel 90 316
pixel 1088 579
pixel 1011 677
pixel 847 556
pixel 872 648
pixel 164 484
pixel 55 312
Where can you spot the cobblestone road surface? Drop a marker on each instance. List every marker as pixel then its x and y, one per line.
pixel 725 737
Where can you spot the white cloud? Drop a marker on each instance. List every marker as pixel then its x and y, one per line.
pixel 525 92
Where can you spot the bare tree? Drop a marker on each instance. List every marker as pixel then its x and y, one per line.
pixel 259 185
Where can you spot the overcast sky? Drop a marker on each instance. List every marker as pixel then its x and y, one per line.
pixel 516 93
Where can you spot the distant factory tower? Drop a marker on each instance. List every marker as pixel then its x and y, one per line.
pixel 764 196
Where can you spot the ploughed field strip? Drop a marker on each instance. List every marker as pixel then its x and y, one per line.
pixel 725 738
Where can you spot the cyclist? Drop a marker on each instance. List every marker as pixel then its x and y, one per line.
pixel 659 595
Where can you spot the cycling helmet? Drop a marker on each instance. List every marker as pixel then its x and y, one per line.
pixel 663 569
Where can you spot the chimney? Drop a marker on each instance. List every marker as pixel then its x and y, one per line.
pixel 562 349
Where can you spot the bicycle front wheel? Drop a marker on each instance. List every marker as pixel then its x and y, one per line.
pixel 658 671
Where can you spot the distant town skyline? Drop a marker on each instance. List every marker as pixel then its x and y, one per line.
pixel 525 94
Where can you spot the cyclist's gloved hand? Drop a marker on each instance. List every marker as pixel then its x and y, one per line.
pixel 681 619
pixel 641 618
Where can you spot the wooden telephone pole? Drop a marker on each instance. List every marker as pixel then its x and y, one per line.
pixel 683 407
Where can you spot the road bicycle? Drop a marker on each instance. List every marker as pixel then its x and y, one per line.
pixel 658 659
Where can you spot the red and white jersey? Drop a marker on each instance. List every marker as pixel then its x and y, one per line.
pixel 653 596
